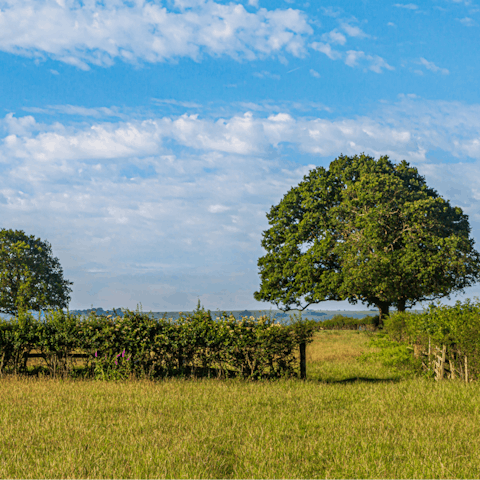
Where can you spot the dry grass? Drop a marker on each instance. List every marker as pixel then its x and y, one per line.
pixel 350 420
pixel 336 346
pixel 332 357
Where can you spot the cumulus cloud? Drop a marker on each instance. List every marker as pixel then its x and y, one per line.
pixel 151 197
pixel 247 135
pixel 243 135
pixel 334 37
pixel 375 63
pixel 409 129
pixel 99 33
pixel 352 58
pixel 327 50
pixel 432 67
pixel 104 32
pixel 353 30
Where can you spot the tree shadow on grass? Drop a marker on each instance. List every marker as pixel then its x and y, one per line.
pixel 349 380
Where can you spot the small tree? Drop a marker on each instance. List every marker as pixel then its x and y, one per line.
pixel 30 277
pixel 365 231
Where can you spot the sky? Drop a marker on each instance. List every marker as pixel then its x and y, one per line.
pixel 147 140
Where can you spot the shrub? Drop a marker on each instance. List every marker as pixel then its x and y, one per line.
pixel 137 344
pixel 455 328
pixel 341 322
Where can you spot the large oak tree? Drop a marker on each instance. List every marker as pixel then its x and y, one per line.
pixel 30 277
pixel 369 231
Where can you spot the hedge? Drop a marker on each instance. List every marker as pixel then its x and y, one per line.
pixel 341 322
pixel 445 338
pixel 118 346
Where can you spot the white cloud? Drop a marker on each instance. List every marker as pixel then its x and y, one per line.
pixel 101 32
pixel 218 208
pixel 467 21
pixel 352 57
pixel 243 135
pixel 314 73
pixel 375 63
pixel 334 37
pixel 408 6
pixel 63 146
pixel 267 74
pixel 432 67
pixel 353 30
pixel 76 110
pixel 138 202
pixel 327 50
pixel 332 11
pixel 467 3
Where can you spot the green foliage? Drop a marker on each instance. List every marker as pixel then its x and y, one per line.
pixel 136 344
pixel 30 277
pixel 457 327
pixel 117 368
pixel 366 231
pixel 341 322
pixel 57 340
pixel 17 337
pixel 391 353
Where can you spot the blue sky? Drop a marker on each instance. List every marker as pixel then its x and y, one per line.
pixel 146 140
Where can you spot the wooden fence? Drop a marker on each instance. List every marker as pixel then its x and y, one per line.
pixel 443 363
pixel 303 358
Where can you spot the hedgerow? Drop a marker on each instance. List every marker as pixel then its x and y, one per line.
pixel 445 338
pixel 341 322
pixel 117 346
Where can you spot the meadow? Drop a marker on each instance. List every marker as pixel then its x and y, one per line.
pixel 351 418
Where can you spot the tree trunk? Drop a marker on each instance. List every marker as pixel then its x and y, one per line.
pixel 401 305
pixel 383 310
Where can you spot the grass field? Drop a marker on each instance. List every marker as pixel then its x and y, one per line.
pixel 350 419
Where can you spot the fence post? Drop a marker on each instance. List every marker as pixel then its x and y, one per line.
pixel 452 369
pixel 440 364
pixel 303 361
pixel 466 370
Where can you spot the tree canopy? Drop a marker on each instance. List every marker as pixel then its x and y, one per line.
pixel 369 231
pixel 30 277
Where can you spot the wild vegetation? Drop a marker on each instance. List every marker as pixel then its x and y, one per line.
pixel 136 343
pixel 353 418
pixel 445 339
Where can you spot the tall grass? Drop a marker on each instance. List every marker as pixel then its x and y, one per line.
pixel 351 419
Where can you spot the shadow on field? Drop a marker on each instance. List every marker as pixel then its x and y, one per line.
pixel 346 381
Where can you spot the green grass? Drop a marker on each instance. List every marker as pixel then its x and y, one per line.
pixel 351 419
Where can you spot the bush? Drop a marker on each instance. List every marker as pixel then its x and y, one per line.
pixel 392 353
pixel 341 322
pixel 136 344
pixel 455 328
